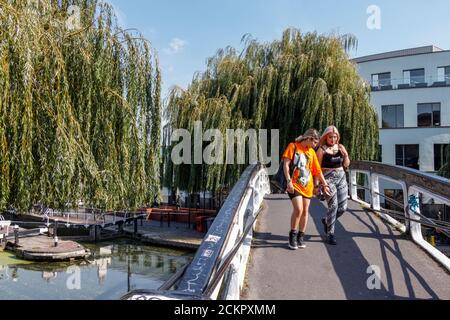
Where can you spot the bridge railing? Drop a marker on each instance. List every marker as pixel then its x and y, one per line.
pixel 412 183
pixel 217 271
pixel 86 215
pixel 79 217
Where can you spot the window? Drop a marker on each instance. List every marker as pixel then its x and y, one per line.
pixel 381 79
pixel 444 74
pixel 440 155
pixel 392 116
pixel 380 153
pixel 414 77
pixel 407 155
pixel 429 115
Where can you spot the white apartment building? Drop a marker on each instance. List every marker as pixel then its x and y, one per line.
pixel 411 94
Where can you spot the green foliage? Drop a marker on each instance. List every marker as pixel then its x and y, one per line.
pixel 299 82
pixel 79 108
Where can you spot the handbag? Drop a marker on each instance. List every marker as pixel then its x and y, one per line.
pixel 280 180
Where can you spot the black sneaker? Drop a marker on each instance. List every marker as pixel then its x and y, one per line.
pixel 293 245
pixel 301 240
pixel 325 226
pixel 331 240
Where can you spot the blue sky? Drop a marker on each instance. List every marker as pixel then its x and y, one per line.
pixel 186 32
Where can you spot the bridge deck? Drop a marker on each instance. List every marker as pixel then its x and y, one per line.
pixel 339 272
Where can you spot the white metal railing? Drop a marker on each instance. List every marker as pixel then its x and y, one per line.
pixel 412 183
pixel 91 219
pixel 251 203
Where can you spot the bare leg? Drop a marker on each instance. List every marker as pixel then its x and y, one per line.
pixel 305 215
pixel 297 203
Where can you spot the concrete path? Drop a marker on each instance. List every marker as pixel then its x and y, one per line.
pixel 338 272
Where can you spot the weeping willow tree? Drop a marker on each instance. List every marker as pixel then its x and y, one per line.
pixel 299 82
pixel 79 107
pixel 445 170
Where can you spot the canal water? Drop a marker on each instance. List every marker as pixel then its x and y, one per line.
pixel 112 270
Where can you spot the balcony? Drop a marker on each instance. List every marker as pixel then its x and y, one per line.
pixel 399 84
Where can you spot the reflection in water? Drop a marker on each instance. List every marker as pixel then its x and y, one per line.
pixel 102 270
pixel 110 272
pixel 8 273
pixel 49 275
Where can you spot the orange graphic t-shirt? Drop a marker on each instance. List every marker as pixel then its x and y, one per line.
pixel 307 166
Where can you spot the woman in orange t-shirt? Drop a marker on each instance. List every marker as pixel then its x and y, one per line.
pixel 301 185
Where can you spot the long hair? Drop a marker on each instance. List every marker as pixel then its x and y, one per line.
pixel 330 129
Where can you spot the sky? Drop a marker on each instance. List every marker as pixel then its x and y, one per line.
pixel 187 32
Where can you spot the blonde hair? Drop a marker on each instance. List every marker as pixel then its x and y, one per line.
pixel 329 130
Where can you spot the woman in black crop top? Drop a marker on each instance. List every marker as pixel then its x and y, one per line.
pixel 333 158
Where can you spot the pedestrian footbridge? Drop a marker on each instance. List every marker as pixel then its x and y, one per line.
pixel 381 254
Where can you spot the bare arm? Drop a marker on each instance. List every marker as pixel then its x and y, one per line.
pixel 290 185
pixel 323 181
pixel 286 169
pixel 319 154
pixel 320 176
pixel 344 152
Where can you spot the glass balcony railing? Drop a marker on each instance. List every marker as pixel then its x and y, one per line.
pixel 400 84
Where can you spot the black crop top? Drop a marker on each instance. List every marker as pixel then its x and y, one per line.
pixel 332 161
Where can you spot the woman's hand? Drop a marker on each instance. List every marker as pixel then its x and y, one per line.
pixel 327 190
pixel 290 188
